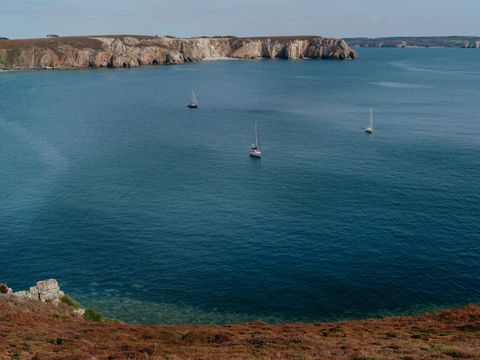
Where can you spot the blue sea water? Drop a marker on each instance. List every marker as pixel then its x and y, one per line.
pixel 152 212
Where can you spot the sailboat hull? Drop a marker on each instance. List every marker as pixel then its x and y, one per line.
pixel 194 103
pixel 255 153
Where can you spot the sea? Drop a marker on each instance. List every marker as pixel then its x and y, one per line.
pixel 152 212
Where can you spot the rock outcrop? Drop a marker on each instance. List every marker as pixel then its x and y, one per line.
pixel 133 51
pixel 45 290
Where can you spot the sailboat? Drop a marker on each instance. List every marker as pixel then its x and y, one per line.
pixel 369 128
pixel 194 103
pixel 255 150
pixel 33 60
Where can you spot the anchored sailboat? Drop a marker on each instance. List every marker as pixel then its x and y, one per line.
pixel 255 150
pixel 194 103
pixel 369 128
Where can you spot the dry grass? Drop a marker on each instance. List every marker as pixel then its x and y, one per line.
pixel 78 42
pixel 32 330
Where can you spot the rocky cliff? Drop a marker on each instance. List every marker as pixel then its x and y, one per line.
pixel 133 51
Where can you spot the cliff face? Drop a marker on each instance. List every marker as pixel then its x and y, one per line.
pixel 133 51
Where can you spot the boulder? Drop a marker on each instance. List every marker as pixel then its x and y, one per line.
pixel 20 294
pixel 49 291
pixel 79 312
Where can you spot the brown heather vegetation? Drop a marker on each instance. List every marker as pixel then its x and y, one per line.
pixel 34 330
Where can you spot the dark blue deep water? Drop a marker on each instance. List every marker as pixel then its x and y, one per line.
pixel 152 212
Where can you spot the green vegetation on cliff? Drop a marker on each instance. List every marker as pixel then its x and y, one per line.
pixel 72 302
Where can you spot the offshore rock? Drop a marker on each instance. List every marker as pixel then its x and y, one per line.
pixel 133 51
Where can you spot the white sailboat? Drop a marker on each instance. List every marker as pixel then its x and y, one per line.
pixel 33 60
pixel 255 150
pixel 369 128
pixel 194 103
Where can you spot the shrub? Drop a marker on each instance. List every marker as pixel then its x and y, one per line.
pixel 72 302
pixel 3 288
pixel 92 315
pixel 58 315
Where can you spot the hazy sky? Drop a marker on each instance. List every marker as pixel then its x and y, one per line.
pixel 340 18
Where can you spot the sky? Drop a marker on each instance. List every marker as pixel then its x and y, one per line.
pixel 184 18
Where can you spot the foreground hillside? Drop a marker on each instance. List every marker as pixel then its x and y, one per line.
pixel 133 51
pixel 30 329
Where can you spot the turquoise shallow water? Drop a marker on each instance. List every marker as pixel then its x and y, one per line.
pixel 153 212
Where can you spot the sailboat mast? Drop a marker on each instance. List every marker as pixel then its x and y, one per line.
pixel 371 117
pixel 257 143
pixel 194 98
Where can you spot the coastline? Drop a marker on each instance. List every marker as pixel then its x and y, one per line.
pixel 462 42
pixel 441 344
pixel 127 51
pixel 220 58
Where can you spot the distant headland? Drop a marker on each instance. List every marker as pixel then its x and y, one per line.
pixel 420 41
pixel 126 51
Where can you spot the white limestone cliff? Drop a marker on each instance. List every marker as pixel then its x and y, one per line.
pixel 130 51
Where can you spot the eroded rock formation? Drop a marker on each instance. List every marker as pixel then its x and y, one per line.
pixel 133 51
pixel 45 290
